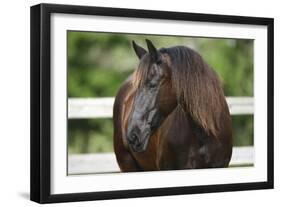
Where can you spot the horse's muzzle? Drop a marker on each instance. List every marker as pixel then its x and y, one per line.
pixel 137 143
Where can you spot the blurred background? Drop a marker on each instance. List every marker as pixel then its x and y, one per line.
pixel 98 63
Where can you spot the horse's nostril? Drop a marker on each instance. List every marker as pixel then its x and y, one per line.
pixel 133 138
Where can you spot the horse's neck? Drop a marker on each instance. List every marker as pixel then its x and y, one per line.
pixel 177 116
pixel 183 121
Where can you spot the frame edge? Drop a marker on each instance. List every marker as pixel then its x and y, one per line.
pixel 40 103
pixel 35 162
pixel 270 103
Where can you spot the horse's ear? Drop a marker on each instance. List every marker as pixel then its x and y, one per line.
pixel 152 50
pixel 140 52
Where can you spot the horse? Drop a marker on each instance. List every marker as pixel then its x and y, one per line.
pixel 171 113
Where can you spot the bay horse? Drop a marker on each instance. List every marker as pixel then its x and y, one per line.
pixel 171 113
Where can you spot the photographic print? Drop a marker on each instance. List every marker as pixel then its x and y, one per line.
pixel 171 103
pixel 132 103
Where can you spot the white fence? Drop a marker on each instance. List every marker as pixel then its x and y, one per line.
pixel 106 162
pixel 79 108
pixel 82 108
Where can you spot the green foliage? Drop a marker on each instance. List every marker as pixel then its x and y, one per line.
pixel 233 61
pixel 90 135
pixel 98 63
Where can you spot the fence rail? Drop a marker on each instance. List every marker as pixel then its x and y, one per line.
pixel 82 108
pixel 106 162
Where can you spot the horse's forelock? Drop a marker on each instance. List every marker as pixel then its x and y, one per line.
pixel 141 73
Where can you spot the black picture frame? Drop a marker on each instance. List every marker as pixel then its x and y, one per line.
pixel 41 99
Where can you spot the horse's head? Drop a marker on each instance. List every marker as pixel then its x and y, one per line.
pixel 154 98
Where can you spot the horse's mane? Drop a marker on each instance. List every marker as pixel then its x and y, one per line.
pixel 196 85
